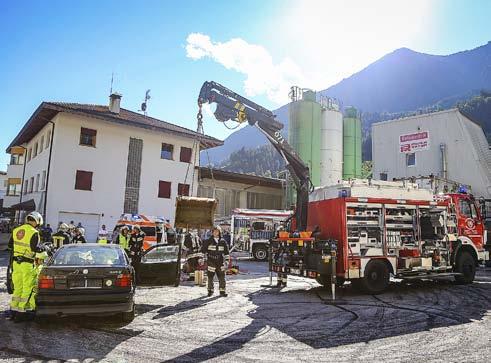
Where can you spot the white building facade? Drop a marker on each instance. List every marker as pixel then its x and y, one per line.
pixel 90 164
pixel 446 144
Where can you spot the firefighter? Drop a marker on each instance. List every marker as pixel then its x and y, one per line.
pixel 136 248
pixel 192 246
pixel 61 237
pixel 79 235
pixel 103 235
pixel 24 243
pixel 216 251
pixel 281 277
pixel 123 239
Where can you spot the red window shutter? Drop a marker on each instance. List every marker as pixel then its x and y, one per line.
pixel 186 153
pixel 183 189
pixel 83 180
pixel 164 189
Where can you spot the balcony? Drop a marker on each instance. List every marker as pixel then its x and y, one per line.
pixel 15 170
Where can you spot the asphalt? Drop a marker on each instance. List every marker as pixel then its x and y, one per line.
pixel 427 321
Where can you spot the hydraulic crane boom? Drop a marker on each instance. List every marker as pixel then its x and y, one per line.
pixel 231 106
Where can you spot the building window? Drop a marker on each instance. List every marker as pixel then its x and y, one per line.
pixel 83 180
pixel 166 151
pixel 87 137
pixel 41 144
pixel 384 177
pixel 31 185
pixel 35 151
pixel 13 187
pixel 164 189
pixel 29 153
pixel 48 139
pixel 186 153
pixel 183 189
pixel 37 183
pixel 16 159
pixel 25 186
pixel 411 159
pixel 43 180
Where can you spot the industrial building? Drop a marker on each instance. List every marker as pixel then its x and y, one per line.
pixel 235 190
pixel 446 144
pixel 90 163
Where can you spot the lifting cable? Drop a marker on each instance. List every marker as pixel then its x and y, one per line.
pixel 196 151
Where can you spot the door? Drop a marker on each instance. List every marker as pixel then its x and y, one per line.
pixel 90 222
pixel 160 265
pixel 470 223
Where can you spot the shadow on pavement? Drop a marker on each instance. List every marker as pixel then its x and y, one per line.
pixel 184 306
pixel 312 318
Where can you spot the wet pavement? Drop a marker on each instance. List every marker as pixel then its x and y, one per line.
pixel 426 321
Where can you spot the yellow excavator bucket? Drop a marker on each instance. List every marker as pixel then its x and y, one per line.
pixel 194 212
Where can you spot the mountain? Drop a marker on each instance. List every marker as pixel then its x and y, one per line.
pixel 399 82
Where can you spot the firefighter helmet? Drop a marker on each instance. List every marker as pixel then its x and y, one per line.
pixel 63 227
pixel 36 217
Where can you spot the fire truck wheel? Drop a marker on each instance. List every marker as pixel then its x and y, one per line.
pixel 467 267
pixel 376 278
pixel 260 253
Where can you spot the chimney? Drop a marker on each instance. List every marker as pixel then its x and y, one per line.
pixel 115 102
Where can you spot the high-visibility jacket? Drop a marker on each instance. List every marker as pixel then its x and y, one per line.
pixel 124 241
pixel 22 236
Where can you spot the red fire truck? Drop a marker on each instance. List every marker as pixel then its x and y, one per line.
pixel 389 228
pixel 362 230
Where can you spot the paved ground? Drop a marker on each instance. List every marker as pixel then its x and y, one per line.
pixel 425 322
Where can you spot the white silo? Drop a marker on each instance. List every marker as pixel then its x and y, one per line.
pixel 331 167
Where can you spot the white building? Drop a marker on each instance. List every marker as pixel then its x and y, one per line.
pixel 3 184
pixel 90 163
pixel 446 144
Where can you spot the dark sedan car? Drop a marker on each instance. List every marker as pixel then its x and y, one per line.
pixel 98 279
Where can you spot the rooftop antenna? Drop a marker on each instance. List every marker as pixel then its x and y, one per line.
pixel 112 79
pixel 144 103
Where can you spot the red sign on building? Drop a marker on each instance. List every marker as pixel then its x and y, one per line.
pixel 410 143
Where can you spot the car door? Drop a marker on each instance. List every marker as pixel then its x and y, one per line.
pixel 160 265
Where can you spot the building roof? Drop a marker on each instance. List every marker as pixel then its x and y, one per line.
pixel 47 110
pixel 255 180
pixel 429 114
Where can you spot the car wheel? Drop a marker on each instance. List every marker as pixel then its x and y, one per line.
pixel 260 253
pixel 128 316
pixel 376 278
pixel 467 267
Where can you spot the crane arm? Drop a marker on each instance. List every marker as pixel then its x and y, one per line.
pixel 232 106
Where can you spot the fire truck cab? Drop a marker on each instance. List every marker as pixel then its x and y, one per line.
pixel 387 228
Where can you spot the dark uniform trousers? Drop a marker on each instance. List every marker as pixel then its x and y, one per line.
pixel 221 279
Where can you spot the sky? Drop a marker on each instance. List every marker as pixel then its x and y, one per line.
pixel 67 51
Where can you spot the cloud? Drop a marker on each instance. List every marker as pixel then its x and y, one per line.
pixel 263 76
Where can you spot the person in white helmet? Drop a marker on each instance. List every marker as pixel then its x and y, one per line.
pixel 61 237
pixel 24 244
pixel 79 235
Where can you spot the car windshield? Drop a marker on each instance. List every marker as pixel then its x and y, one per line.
pixel 88 255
